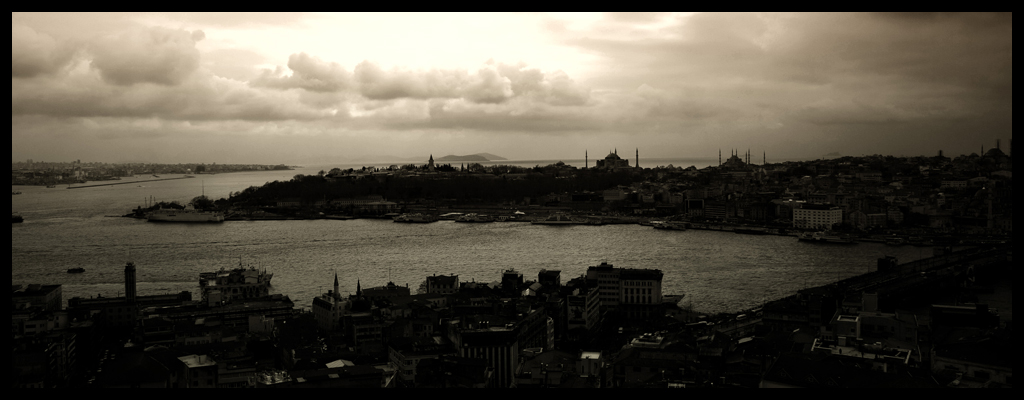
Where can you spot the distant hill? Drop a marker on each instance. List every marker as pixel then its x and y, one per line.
pixel 472 157
pixel 491 157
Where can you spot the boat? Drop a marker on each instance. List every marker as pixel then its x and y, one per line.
pixel 474 217
pixel 825 237
pixel 51 186
pixel 895 241
pixel 225 285
pixel 15 218
pixel 189 214
pixel 76 270
pixel 416 218
pixel 751 231
pixel 669 225
pixel 558 218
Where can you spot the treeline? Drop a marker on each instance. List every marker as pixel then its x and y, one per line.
pixel 461 188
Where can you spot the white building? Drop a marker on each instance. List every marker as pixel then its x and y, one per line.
pixel 817 216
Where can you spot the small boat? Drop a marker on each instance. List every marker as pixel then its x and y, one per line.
pixel 15 218
pixel 751 231
pixel 76 270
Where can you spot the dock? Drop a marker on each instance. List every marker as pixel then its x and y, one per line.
pixel 126 183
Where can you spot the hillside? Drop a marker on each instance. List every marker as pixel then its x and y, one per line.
pixel 471 157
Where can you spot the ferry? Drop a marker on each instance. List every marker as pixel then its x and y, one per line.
pixel 416 218
pixel 76 270
pixel 189 214
pixel 474 217
pixel 825 237
pixel 557 218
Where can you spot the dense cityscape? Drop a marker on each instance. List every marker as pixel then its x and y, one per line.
pixel 912 324
pixel 643 200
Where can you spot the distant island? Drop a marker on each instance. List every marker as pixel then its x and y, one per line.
pixel 472 157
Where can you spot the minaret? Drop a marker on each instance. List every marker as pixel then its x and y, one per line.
pixel 585 159
pixel 430 164
pixel 719 157
pixel 337 294
pixel 129 283
pixel 638 157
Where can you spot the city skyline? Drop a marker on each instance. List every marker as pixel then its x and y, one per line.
pixel 309 88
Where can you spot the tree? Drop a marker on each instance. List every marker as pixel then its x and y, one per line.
pixel 202 203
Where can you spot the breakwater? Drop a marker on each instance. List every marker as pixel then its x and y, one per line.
pixel 131 182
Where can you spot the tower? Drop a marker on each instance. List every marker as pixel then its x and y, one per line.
pixel 585 159
pixel 129 283
pixel 638 157
pixel 359 289
pixel 719 157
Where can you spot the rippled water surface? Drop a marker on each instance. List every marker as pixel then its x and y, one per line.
pixel 717 271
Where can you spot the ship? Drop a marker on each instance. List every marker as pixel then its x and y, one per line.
pixel 474 217
pixel 225 285
pixel 669 225
pixel 557 218
pixel 189 214
pixel 751 231
pixel 76 270
pixel 825 237
pixel 15 218
pixel 416 218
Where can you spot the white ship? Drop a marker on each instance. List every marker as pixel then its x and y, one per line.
pixel 189 214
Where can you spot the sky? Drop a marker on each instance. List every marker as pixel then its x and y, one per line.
pixel 298 88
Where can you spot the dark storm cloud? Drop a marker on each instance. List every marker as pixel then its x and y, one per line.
pixel 147 55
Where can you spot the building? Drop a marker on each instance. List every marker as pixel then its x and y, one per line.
pixel 817 216
pixel 638 290
pixel 328 309
pixel 405 354
pixel 443 284
pixel 46 296
pixel 583 303
pixel 612 161
pixel 499 346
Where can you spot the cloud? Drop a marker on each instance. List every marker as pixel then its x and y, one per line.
pixel 378 84
pixel 147 55
pixel 309 73
pixel 34 53
pixel 488 86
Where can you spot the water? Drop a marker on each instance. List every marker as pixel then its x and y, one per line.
pixel 717 271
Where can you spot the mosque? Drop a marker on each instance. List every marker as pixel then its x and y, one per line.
pixel 613 161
